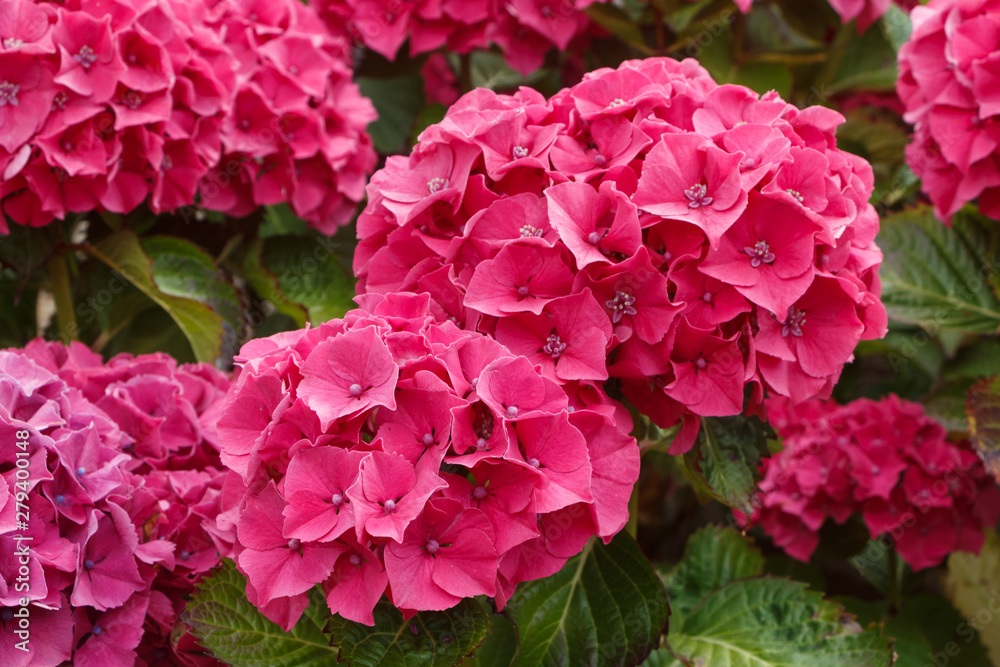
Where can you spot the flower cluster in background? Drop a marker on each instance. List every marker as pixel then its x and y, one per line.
pixel 525 30
pixel 886 460
pixel 698 242
pixel 949 82
pixel 386 450
pixel 123 489
pixel 225 105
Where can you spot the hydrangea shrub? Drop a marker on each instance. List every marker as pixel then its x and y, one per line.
pixel 886 460
pixel 389 453
pixel 230 106
pixel 948 82
pixel 693 241
pixel 122 491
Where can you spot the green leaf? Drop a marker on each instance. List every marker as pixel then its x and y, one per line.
pixel 930 631
pixel 429 639
pixel 397 99
pixel 983 409
pixel 202 326
pixel 236 633
pixel 182 269
pixel 933 275
pixel 265 284
pixel 713 557
pixel 973 586
pixel 868 62
pixel 280 220
pixel 767 622
pixel 305 273
pixel 490 70
pixel 619 24
pixel 499 649
pixel 607 606
pixel 727 453
pixel 896 26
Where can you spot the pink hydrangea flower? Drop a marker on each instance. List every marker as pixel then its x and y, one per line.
pixel 647 225
pixel 426 482
pixel 886 460
pixel 125 487
pixel 949 82
pixel 110 105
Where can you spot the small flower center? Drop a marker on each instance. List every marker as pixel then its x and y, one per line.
pixel 355 560
pixel 620 306
pixel 554 346
pixel 12 43
pixel 132 100
pixel 60 499
pixel 523 290
pixel 512 411
pixel 8 93
pixel 60 100
pixel 295 544
pixel 615 103
pixel 337 499
pixel 185 555
pixel 437 184
pixel 6 614
pixel 793 325
pixel 707 297
pixel 432 546
pixel 88 565
pixel 600 160
pixel 796 195
pixel 700 363
pixel 698 196
pixel 528 230
pixel 481 444
pixel 594 238
pixel 81 471
pixel 749 163
pixel 534 463
pixel 355 389
pixel 519 152
pixel 428 439
pixel 479 493
pixel 166 163
pixel 97 630
pixel 760 252
pixel 86 57
pixel 390 506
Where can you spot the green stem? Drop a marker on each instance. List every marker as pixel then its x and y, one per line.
pixel 63 293
pixel 893 566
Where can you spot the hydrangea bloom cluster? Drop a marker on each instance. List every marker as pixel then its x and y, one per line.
pixel 886 460
pixel 692 240
pixel 525 30
pixel 949 81
pixel 385 452
pixel 227 105
pixel 122 488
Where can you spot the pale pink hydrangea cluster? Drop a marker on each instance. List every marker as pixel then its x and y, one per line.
pixel 949 81
pixel 886 460
pixel 388 453
pixel 698 243
pixel 108 104
pixel 115 509
pixel 525 30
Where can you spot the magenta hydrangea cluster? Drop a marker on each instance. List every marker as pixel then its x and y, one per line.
pixel 110 520
pixel 698 243
pixel 229 106
pixel 388 453
pixel 525 30
pixel 949 81
pixel 886 460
